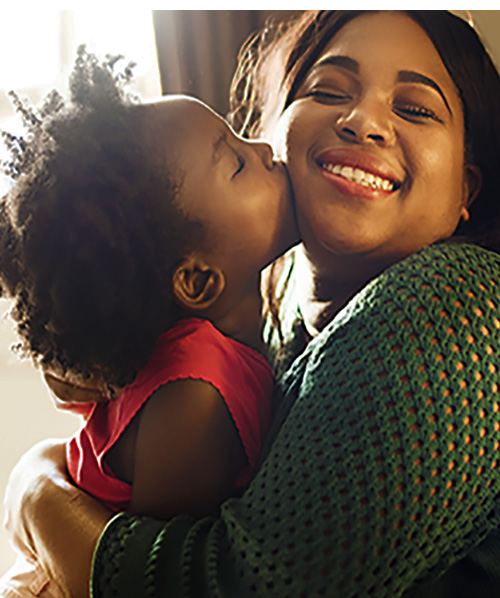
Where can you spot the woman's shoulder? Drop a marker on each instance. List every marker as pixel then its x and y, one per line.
pixel 439 287
pixel 442 300
pixel 445 282
pixel 444 268
pixel 448 256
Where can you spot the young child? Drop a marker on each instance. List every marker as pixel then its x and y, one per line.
pixel 131 246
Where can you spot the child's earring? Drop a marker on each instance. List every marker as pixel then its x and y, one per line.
pixel 465 214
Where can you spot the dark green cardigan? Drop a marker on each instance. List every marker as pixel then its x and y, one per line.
pixel 384 465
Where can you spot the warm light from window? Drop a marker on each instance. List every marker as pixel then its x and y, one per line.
pixel 110 31
pixel 38 49
pixel 29 47
pixel 36 44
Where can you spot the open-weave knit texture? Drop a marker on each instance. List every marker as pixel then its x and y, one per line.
pixel 385 465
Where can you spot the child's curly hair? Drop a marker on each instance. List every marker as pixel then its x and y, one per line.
pixel 90 233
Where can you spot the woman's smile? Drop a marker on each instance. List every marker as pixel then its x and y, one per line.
pixel 358 173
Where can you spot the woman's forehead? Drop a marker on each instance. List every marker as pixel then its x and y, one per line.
pixel 385 36
pixel 387 43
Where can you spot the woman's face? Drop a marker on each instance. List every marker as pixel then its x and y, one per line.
pixel 374 143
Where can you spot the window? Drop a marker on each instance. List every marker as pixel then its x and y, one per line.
pixel 37 52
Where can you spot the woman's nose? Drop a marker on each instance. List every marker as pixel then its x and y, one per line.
pixel 368 121
pixel 265 153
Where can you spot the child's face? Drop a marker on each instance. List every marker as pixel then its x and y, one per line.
pixel 231 185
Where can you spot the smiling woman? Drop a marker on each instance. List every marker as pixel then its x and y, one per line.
pixel 380 477
pixel 398 121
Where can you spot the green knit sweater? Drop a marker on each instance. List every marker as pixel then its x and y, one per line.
pixel 383 470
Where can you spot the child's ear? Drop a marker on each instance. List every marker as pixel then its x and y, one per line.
pixel 197 285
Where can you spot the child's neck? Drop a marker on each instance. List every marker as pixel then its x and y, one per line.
pixel 240 317
pixel 244 322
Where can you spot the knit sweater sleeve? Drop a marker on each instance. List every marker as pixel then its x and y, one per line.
pixel 383 471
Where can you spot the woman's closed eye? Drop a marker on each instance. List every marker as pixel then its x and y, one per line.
pixel 416 113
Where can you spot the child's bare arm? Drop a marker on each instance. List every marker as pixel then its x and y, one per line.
pixel 187 452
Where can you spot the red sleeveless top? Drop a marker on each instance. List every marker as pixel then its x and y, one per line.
pixel 192 349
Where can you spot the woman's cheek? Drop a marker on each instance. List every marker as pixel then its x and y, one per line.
pixel 285 135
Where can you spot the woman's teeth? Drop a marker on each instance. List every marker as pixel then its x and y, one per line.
pixel 359 176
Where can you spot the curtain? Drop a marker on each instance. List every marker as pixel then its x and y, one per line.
pixel 197 49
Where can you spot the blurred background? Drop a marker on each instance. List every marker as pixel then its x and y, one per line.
pixel 176 52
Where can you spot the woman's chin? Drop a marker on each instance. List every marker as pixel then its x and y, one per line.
pixel 338 244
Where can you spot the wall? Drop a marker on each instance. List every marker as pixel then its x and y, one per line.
pixel 487 24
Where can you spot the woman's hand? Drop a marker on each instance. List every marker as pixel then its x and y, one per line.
pixel 49 517
pixel 23 487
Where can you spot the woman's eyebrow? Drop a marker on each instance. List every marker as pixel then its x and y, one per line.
pixel 343 61
pixel 414 77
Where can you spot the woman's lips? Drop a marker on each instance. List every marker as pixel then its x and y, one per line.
pixel 358 173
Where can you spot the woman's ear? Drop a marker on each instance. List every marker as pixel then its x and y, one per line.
pixel 197 285
pixel 473 180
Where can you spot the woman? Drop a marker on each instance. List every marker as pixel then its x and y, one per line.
pixel 380 473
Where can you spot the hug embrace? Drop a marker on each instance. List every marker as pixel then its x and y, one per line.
pixel 340 435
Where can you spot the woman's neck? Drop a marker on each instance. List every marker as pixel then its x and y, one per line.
pixel 321 295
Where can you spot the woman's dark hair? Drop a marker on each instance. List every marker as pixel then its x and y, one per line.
pixel 90 233
pixel 273 63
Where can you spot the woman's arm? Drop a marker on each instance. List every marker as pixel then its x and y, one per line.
pixel 49 517
pixel 65 390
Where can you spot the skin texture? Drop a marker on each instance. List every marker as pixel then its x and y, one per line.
pixel 365 110
pixel 232 185
pixel 68 395
pixel 242 198
pixel 187 452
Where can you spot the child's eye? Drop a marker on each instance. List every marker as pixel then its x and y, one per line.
pixel 416 113
pixel 241 165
